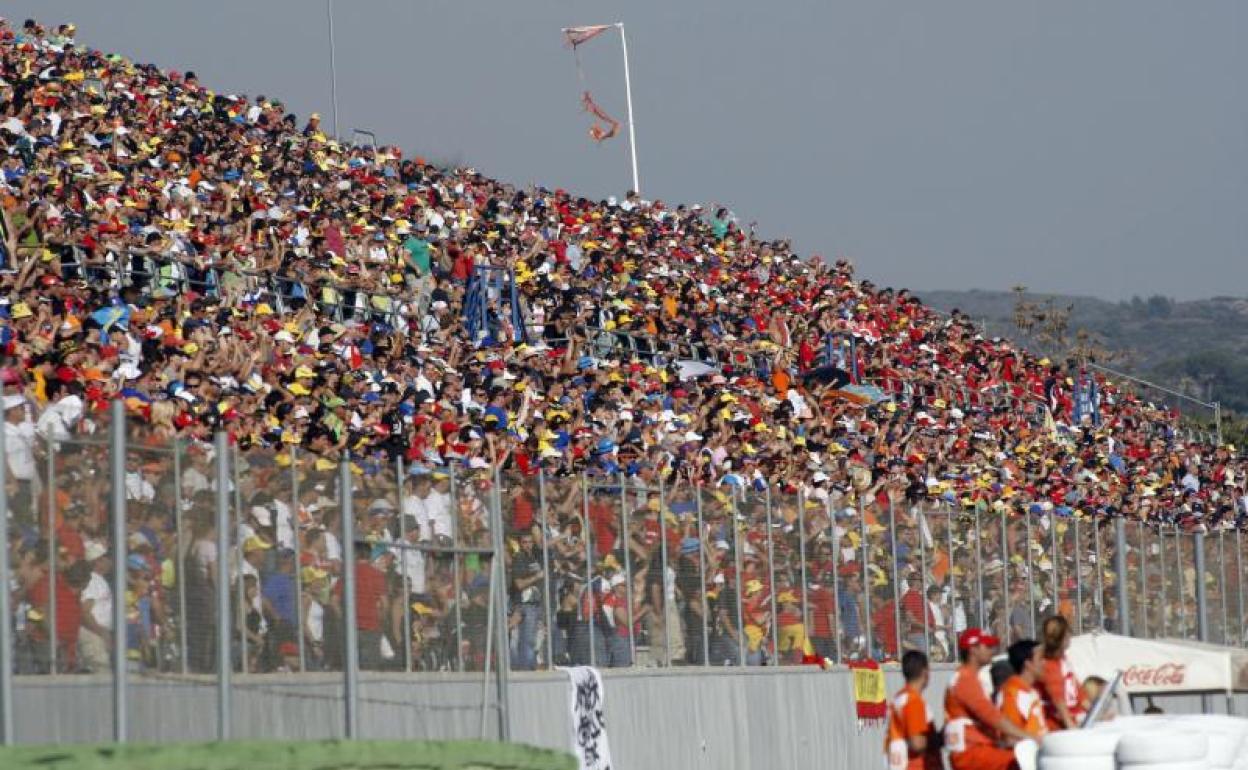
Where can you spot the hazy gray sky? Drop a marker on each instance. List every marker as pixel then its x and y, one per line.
pixel 1090 146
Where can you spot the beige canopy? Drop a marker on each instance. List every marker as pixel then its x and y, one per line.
pixel 1160 665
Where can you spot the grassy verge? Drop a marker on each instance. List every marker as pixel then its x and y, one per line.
pixel 277 755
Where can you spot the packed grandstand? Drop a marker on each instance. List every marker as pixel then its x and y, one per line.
pixel 703 447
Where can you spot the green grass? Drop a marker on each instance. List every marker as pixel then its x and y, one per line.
pixel 277 755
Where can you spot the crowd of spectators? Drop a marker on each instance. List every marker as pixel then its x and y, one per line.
pixel 698 443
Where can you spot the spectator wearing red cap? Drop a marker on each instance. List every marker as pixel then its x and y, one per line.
pixel 977 734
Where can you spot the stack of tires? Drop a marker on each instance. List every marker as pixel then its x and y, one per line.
pixel 1078 750
pixel 1205 742
pixel 1228 739
pixel 1168 747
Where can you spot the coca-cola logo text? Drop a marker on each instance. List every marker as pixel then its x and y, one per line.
pixel 1167 674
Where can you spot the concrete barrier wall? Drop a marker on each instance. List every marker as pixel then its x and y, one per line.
pixel 718 718
pixel 725 719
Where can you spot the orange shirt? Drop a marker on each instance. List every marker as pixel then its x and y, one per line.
pixel 907 718
pixel 969 715
pixel 1020 703
pixel 1059 682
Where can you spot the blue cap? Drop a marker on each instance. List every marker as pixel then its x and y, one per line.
pixel 134 561
pixel 689 545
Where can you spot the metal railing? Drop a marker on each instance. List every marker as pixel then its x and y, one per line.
pixel 232 564
pixel 169 276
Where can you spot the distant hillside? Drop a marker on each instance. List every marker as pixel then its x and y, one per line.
pixel 1198 347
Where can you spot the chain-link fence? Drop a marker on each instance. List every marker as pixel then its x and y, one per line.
pixel 224 567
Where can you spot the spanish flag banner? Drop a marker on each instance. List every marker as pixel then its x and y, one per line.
pixel 870 698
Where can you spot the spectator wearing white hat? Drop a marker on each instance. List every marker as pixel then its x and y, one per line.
pixel 95 637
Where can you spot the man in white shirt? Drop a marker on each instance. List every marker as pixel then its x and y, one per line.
pixel 95 638
pixel 416 523
pixel 58 421
pixel 438 509
pixel 19 448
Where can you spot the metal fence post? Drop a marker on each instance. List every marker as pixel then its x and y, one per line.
pixel 351 649
pixel 240 589
pixel 892 536
pixel 404 553
pixel 456 576
pixel 1005 578
pixel 1202 599
pixel 626 538
pixel 118 513
pixel 221 450
pixel 6 612
pixel 667 626
pixel 1120 582
pixel 1054 543
pixel 546 604
pixel 180 551
pixel 1161 563
pixel 836 579
pixel 868 631
pixel 771 586
pixel 295 505
pixel 1031 576
pixel 500 625
pixel 1078 575
pixel 591 617
pixel 1239 582
pixel 981 618
pixel 807 624
pixel 1181 579
pixel 1100 573
pixel 739 588
pixel 706 609
pixel 1143 598
pixel 52 560
pixel 1222 583
pixel 953 584
pixel 923 534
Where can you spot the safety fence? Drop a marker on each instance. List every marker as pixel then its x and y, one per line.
pixel 196 560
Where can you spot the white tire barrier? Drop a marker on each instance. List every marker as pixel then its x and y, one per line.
pixel 1078 763
pixel 1162 747
pixel 1080 743
pixel 1223 748
pixel 1195 764
pixel 1228 737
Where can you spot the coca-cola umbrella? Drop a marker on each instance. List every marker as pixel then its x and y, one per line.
pixel 1160 665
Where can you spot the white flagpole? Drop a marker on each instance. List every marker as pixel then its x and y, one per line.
pixel 333 66
pixel 628 95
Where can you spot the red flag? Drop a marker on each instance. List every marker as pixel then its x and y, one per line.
pixel 599 132
pixel 577 35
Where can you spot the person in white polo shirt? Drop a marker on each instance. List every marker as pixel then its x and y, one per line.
pixel 95 638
